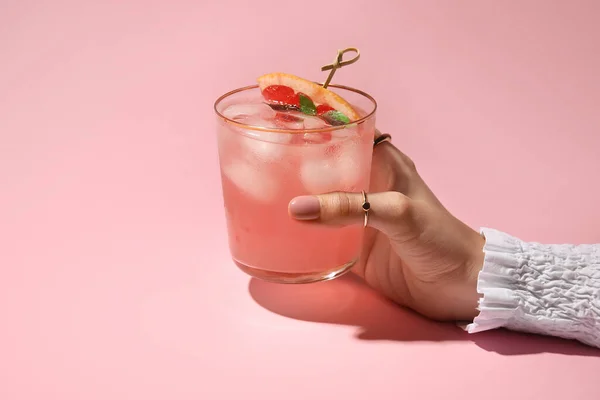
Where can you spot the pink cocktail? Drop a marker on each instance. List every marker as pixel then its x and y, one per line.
pixel 269 155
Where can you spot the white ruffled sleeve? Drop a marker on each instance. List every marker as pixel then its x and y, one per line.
pixel 545 289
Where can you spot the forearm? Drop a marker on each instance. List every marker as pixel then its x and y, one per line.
pixel 546 289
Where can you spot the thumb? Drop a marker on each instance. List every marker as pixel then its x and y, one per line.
pixel 388 211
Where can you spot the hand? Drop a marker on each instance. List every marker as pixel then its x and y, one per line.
pixel 414 252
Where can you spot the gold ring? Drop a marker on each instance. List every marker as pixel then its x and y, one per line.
pixel 385 137
pixel 366 206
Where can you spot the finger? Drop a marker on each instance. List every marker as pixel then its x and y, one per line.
pixel 394 170
pixel 343 208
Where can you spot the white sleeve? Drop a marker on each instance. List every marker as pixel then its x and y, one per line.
pixel 545 289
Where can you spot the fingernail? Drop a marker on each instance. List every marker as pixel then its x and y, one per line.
pixel 305 207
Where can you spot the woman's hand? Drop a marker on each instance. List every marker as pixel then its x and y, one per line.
pixel 415 252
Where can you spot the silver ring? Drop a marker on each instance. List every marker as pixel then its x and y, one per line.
pixel 366 206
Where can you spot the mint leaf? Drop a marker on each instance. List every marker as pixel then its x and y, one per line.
pixel 306 105
pixel 335 117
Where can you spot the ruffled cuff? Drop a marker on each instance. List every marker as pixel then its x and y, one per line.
pixel 546 289
pixel 497 281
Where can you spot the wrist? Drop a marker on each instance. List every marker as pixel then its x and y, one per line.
pixel 470 296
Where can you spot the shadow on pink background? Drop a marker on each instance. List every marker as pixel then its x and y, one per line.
pixel 115 277
pixel 347 301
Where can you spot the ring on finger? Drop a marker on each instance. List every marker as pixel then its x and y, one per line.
pixel 366 206
pixel 385 137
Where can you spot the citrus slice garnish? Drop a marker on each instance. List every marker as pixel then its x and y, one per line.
pixel 283 89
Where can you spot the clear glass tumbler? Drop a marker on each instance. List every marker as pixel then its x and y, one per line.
pixel 263 168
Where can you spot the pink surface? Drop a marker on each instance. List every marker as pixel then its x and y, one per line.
pixel 115 276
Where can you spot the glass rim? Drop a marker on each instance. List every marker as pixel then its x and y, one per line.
pixel 294 131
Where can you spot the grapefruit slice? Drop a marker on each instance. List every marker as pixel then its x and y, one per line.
pixel 311 97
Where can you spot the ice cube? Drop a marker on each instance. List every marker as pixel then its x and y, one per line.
pixel 257 121
pixel 328 172
pixel 350 162
pixel 252 180
pixel 311 122
pixel 319 175
pixel 289 120
pixel 241 112
pixel 265 146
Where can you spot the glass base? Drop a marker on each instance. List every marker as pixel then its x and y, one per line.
pixel 287 277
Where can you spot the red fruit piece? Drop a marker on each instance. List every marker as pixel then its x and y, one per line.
pixel 281 95
pixel 293 100
pixel 277 92
pixel 323 108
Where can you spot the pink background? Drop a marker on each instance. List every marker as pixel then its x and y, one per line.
pixel 115 278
